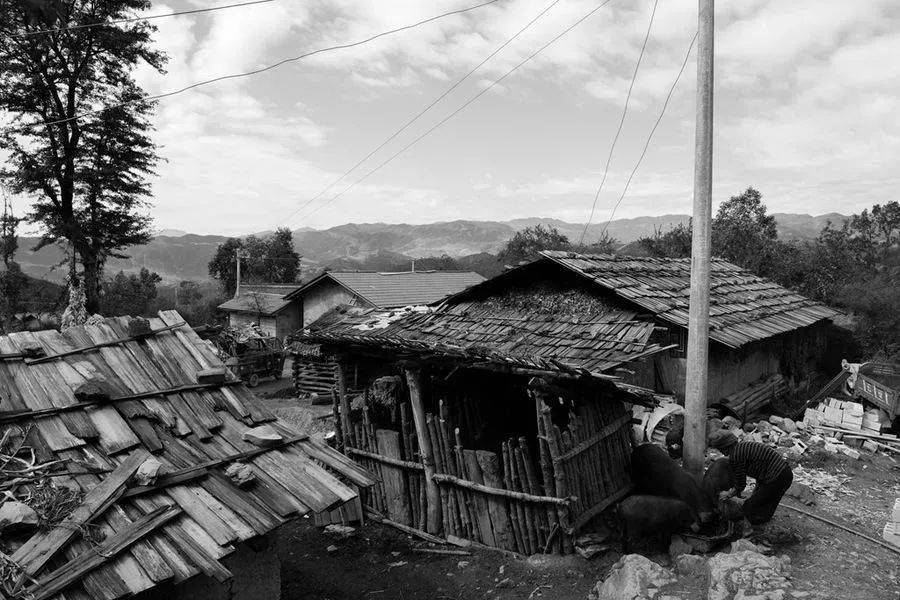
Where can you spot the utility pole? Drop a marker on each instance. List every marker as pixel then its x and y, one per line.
pixel 695 398
pixel 237 285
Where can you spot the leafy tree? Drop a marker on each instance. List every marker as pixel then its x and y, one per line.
pixel 223 266
pixel 264 260
pixel 529 242
pixel 129 294
pixel 674 243
pixel 84 162
pixel 743 232
pixel 605 244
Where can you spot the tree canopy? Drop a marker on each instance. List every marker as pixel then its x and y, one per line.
pixel 129 295
pixel 79 138
pixel 529 242
pixel 270 259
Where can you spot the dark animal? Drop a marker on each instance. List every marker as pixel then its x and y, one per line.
pixel 655 474
pixel 718 478
pixel 654 519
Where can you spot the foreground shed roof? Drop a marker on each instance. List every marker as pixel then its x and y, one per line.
pixel 393 290
pixel 483 332
pixel 743 307
pixel 159 407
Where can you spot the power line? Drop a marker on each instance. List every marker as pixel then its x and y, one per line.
pixel 621 122
pixel 460 109
pixel 422 112
pixel 264 69
pixel 652 131
pixel 133 19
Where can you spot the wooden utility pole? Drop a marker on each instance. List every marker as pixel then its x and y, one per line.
pixel 237 285
pixel 695 399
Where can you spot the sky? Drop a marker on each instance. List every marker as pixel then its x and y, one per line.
pixel 806 105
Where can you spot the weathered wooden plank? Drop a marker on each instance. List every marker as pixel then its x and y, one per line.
pixel 49 378
pixel 57 581
pixel 483 518
pixel 115 433
pixel 489 463
pixel 53 430
pixel 395 488
pixel 35 553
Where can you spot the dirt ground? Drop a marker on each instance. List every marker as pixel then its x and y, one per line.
pixel 381 563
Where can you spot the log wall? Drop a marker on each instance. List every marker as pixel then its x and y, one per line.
pixel 529 495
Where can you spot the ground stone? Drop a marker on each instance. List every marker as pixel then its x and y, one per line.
pixel 632 579
pixel 679 546
pixel 16 515
pixel 746 575
pixel 690 564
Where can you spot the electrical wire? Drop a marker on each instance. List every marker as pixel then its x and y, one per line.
pixel 460 109
pixel 261 69
pixel 420 113
pixel 652 131
pixel 612 147
pixel 133 19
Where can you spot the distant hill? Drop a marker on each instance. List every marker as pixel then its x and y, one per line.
pixel 185 255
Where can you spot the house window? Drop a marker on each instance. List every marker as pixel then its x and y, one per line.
pixel 678 335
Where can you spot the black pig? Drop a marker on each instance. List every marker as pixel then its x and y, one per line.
pixel 655 474
pixel 653 518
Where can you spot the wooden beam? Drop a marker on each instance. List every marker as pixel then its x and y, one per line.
pixel 512 495
pixel 121 340
pixel 595 439
pixel 415 381
pixel 73 571
pixel 378 518
pixel 598 508
pixel 18 415
pixel 41 547
pixel 201 470
pixel 396 462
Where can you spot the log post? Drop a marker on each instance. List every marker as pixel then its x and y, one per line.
pixel 341 377
pixel 415 381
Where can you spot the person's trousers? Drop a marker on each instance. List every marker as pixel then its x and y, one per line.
pixel 761 505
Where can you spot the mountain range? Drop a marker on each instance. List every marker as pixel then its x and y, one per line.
pixel 177 255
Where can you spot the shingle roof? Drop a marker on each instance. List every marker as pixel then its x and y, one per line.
pixel 391 290
pixel 280 289
pixel 256 303
pixel 743 307
pixel 181 429
pixel 504 333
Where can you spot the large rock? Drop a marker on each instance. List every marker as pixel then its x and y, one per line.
pixel 745 574
pixel 16 516
pixel 634 577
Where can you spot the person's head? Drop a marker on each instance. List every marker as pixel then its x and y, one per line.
pixel 723 441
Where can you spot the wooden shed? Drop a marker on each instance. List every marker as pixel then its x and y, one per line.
pixel 494 418
pixel 325 298
pixel 99 403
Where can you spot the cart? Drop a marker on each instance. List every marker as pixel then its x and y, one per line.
pixel 253 357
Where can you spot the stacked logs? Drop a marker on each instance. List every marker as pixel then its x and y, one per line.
pixel 749 402
pixel 313 376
